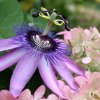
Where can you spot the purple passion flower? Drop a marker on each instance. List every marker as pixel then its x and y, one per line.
pixel 31 49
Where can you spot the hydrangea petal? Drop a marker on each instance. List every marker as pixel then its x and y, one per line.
pixel 86 60
pixel 61 84
pixel 47 74
pixel 67 34
pixel 7 44
pixel 39 92
pixel 23 72
pixel 11 58
pixel 52 97
pixel 67 92
pixel 25 95
pixel 5 95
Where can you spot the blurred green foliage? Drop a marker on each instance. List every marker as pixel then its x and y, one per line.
pixel 83 13
pixel 10 14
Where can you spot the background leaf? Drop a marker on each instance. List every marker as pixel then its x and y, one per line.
pixel 10 15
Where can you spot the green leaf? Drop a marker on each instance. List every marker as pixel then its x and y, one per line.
pixel 10 15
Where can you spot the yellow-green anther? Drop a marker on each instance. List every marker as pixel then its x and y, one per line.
pixel 43 9
pixel 43 15
pixel 58 22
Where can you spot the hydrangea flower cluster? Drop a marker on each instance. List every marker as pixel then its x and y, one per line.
pixel 89 89
pixel 85 45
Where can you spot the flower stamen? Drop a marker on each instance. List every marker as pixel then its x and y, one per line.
pixel 43 43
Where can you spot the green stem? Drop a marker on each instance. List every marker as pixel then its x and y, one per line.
pixel 50 23
pixel 48 27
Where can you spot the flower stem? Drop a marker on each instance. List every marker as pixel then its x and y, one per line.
pixel 48 27
pixel 50 23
